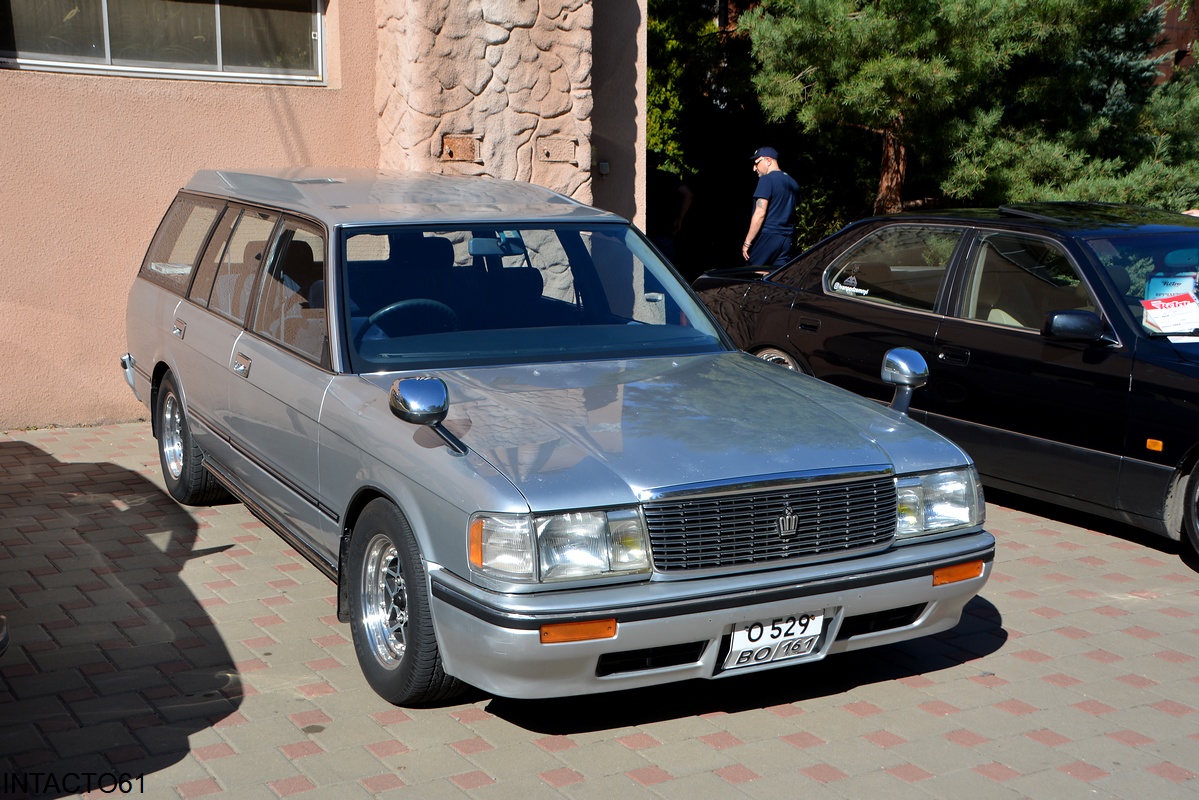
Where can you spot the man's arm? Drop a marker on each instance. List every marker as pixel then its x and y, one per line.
pixel 755 225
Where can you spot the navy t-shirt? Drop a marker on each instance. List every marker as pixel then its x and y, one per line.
pixel 781 192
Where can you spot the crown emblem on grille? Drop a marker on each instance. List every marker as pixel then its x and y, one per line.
pixel 788 523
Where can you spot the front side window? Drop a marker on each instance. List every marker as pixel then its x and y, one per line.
pixel 1016 280
pixel 417 298
pixel 900 265
pixel 263 39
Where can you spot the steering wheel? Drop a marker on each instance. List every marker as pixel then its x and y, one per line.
pixel 421 304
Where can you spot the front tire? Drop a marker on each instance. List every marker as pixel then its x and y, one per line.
pixel 1190 525
pixel 181 458
pixel 391 620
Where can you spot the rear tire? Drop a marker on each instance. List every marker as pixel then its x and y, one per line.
pixel 391 620
pixel 780 357
pixel 181 458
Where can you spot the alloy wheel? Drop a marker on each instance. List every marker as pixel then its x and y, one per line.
pixel 384 602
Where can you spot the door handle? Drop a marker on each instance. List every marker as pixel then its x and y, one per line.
pixel 954 355
pixel 241 365
pixel 179 328
pixel 809 324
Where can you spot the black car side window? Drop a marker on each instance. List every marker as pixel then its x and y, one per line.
pixel 901 265
pixel 1016 280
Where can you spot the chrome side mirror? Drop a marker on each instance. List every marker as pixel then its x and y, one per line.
pixel 425 401
pixel 907 371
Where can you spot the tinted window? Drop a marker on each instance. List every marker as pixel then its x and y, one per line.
pixel 900 265
pixel 291 307
pixel 240 262
pixel 1016 280
pixel 172 255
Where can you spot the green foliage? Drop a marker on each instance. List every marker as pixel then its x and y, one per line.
pixel 991 100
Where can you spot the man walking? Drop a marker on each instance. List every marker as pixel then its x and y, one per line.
pixel 772 226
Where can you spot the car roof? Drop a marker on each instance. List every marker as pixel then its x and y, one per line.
pixel 1078 219
pixel 344 196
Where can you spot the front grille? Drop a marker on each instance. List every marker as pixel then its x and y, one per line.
pixel 831 519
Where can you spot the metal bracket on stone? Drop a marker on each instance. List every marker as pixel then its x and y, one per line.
pixel 461 147
pixel 557 150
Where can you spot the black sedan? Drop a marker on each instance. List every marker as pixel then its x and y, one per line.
pixel 1062 341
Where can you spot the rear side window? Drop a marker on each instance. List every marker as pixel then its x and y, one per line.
pixel 240 263
pixel 901 265
pixel 183 232
pixel 291 305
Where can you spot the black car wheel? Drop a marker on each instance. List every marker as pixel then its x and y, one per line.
pixel 777 356
pixel 181 458
pixel 392 625
pixel 1191 525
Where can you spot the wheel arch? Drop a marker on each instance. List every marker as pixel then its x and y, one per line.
pixel 1176 495
pixel 161 368
pixel 361 499
pixel 800 359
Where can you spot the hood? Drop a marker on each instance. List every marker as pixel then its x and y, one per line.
pixel 578 435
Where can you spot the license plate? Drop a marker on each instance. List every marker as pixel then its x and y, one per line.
pixel 765 640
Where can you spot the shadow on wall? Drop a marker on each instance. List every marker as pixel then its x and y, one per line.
pixel 614 40
pixel 112 663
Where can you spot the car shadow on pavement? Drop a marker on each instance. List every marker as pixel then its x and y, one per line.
pixel 979 633
pixel 1108 527
pixel 113 663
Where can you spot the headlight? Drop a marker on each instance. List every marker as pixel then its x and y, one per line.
pixel 938 501
pixel 557 547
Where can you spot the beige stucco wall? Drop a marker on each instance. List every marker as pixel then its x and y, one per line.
pixel 89 163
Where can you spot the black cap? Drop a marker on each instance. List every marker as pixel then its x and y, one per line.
pixel 766 152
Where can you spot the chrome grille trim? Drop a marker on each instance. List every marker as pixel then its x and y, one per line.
pixel 838 515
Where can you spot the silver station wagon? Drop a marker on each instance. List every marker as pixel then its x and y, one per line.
pixel 526 454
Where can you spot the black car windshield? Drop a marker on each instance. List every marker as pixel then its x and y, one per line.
pixel 420 297
pixel 1155 274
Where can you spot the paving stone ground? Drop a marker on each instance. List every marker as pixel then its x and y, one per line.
pixel 189 652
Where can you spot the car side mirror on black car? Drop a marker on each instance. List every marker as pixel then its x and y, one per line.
pixel 1073 326
pixel 907 371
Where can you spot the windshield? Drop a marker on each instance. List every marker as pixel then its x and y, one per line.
pixel 1156 277
pixel 438 297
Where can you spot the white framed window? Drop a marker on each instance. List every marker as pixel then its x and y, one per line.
pixel 264 41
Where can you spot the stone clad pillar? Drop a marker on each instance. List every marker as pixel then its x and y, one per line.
pixel 487 87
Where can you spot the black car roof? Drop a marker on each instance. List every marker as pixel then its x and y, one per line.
pixel 1069 218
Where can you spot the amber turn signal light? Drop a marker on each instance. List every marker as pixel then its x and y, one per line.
pixel 1153 444
pixel 958 572
pixel 578 631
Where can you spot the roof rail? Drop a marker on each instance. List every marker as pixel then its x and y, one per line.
pixel 1027 213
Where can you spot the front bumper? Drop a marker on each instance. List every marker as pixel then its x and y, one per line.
pixel 678 630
